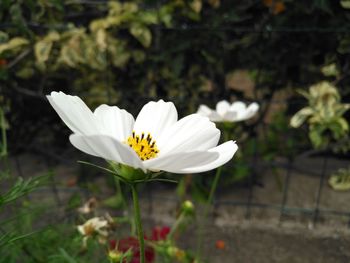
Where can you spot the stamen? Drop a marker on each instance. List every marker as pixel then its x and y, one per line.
pixel 144 146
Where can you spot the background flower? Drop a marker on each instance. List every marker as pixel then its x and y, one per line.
pixel 226 112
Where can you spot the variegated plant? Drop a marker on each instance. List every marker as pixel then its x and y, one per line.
pixel 324 114
pixel 340 180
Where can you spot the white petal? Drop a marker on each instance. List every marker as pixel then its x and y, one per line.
pixel 108 148
pixel 230 116
pixel 155 117
pixel 179 162
pixel 207 112
pixel 248 112
pixel 252 110
pixel 74 113
pixel 238 106
pixel 115 122
pixel 204 110
pixel 192 133
pixel 222 107
pixel 225 152
pixel 81 229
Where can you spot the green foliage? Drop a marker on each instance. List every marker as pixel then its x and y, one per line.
pixel 22 187
pixel 15 190
pixel 324 115
pixel 340 180
pixel 61 240
pixel 278 139
pixel 13 45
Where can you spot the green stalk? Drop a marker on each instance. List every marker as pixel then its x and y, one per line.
pixel 176 225
pixel 213 187
pixel 226 135
pixel 119 193
pixel 206 211
pixel 138 223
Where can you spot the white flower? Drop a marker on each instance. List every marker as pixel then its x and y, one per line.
pixel 155 141
pixel 226 112
pixel 88 207
pixel 96 226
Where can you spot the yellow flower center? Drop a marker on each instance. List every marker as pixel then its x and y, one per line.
pixel 89 230
pixel 145 147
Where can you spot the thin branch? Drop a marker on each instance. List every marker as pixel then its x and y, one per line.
pixel 19 58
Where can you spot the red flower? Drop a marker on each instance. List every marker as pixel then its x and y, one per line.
pixel 160 233
pixel 132 243
pixel 112 244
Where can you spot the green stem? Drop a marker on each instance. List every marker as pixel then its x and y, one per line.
pixel 214 186
pixel 226 135
pixel 206 211
pixel 176 225
pixel 119 193
pixel 138 223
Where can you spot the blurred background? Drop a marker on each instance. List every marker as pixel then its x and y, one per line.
pixel 288 185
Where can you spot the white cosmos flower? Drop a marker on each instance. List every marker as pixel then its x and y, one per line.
pixel 96 226
pixel 226 112
pixel 155 141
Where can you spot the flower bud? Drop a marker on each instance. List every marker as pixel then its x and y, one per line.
pixel 115 256
pixel 131 174
pixel 187 207
pixel 176 253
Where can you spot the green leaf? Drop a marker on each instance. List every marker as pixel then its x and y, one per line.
pixel 181 187
pixel 25 72
pixel 345 4
pixel 300 117
pixel 340 181
pixel 330 70
pixel 43 48
pixel 343 124
pixel 118 53
pixel 13 44
pixel 22 187
pixel 142 34
pixel 66 256
pixel 148 17
pixel 315 136
pixel 3 37
pixel 115 201
pixel 139 56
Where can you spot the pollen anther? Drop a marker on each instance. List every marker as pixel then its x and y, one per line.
pixel 145 147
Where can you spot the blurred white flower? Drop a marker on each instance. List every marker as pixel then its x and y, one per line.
pixel 96 226
pixel 226 112
pixel 155 141
pixel 88 207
